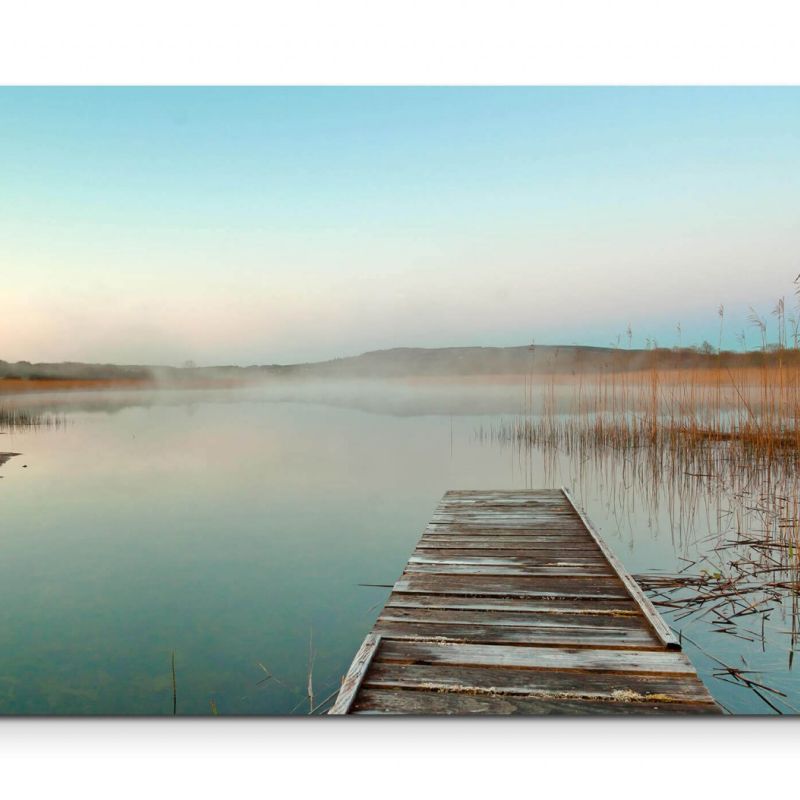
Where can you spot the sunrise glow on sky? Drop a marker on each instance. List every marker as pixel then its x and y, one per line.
pixel 239 226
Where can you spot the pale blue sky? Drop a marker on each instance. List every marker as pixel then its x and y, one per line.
pixel 268 225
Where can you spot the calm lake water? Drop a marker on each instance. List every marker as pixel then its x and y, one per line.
pixel 235 528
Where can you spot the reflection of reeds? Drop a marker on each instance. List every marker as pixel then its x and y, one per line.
pixel 12 418
pixel 734 434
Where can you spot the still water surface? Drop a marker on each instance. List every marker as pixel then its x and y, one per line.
pixel 235 528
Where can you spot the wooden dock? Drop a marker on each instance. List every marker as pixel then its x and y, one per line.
pixel 513 604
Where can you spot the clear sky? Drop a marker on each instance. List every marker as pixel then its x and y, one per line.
pixel 282 224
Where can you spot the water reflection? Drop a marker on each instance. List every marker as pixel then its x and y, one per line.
pixel 236 527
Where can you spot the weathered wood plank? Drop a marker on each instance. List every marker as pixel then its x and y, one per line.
pixel 550 514
pixel 402 701
pixel 511 512
pixel 552 502
pixel 521 519
pixel 534 494
pixel 648 609
pixel 502 492
pixel 615 607
pixel 567 636
pixel 523 541
pixel 667 662
pixel 592 685
pixel 515 619
pixel 492 532
pixel 536 526
pixel 488 531
pixel 556 514
pixel 505 506
pixel 450 568
pixel 471 542
pixel 515 555
pixel 511 586
pixel 355 675
pixel 556 508
pixel 534 566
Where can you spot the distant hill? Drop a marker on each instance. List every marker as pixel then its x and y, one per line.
pixel 458 361
pixel 406 362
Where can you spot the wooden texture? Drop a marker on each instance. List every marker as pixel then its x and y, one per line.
pixel 403 701
pixel 355 676
pixel 512 603
pixel 648 609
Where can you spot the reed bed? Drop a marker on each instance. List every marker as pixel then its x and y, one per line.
pixel 714 449
pixel 735 432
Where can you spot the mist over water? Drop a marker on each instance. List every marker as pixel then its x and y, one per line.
pixel 234 527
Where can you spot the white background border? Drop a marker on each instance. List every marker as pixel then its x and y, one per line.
pixel 413 41
pixel 401 758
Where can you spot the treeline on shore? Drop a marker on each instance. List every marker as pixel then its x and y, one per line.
pixel 420 362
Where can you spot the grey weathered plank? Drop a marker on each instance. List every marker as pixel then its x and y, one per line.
pixel 648 609
pixel 513 555
pixel 516 522
pixel 528 565
pixel 544 636
pixel 499 492
pixel 551 509
pixel 355 675
pixel 556 535
pixel 469 542
pixel 515 513
pixel 529 542
pixel 514 619
pixel 668 662
pixel 401 701
pixel 494 568
pixel 592 685
pixel 511 586
pixel 537 507
pixel 553 501
pixel 494 501
pixel 615 607
pixel 507 531
pixel 512 522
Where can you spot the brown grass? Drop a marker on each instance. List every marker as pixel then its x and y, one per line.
pixel 22 385
pixel 695 439
pixel 30 385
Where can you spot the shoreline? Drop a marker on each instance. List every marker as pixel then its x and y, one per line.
pixel 16 386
